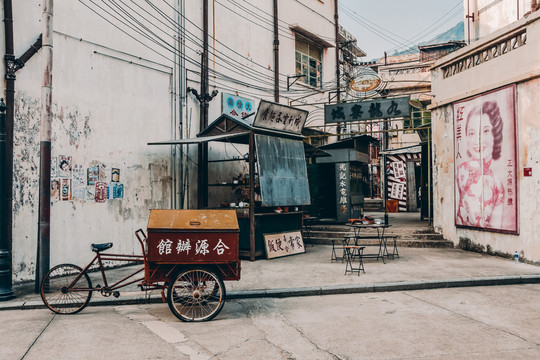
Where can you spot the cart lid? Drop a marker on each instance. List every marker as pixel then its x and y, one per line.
pixel 193 220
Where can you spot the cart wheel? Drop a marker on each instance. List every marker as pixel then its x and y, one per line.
pixel 196 295
pixel 58 289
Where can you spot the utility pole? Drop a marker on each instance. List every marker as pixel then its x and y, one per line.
pixel 338 72
pixel 276 53
pixel 44 232
pixel 204 100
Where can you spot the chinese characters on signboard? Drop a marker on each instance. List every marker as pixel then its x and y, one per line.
pixel 399 169
pixel 280 117
pixel 343 191
pixel 485 161
pixel 367 110
pixel 202 247
pixel 283 244
pixel 238 107
pixel 196 248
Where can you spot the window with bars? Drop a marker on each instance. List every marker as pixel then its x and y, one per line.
pixel 418 119
pixel 309 62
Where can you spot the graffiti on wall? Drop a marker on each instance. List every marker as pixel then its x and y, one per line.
pixel 95 183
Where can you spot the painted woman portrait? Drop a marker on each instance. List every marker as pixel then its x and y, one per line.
pixel 481 194
pixel 485 161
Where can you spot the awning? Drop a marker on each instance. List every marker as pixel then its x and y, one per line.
pixel 404 150
pixel 199 140
pixel 311 36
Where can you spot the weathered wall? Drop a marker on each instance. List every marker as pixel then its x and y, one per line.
pixel 519 66
pixel 105 110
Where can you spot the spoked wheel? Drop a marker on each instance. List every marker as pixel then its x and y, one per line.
pixel 61 293
pixel 196 295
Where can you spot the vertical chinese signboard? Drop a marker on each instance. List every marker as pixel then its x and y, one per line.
pixel 343 191
pixel 485 172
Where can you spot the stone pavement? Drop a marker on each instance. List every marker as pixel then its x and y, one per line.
pixel 312 273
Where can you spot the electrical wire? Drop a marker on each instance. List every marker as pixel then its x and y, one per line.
pixel 405 43
pixel 155 37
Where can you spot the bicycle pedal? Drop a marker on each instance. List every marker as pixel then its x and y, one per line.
pixel 116 294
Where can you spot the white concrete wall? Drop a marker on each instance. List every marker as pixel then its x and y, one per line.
pixel 491 15
pixel 105 110
pixel 520 66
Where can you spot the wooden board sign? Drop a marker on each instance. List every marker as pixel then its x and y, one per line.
pixel 284 244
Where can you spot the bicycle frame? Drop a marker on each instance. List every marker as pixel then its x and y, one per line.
pixel 98 259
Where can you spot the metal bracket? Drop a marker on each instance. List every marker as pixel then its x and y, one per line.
pixel 330 97
pixel 295 77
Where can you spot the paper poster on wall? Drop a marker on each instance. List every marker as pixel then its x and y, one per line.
pixel 79 183
pixel 115 175
pixel 54 167
pixel 399 169
pixel 55 190
pixel 64 166
pixel 91 193
pixel 92 175
pixel 103 173
pixel 283 244
pixel 485 156
pixel 118 191
pixel 65 189
pixel 101 192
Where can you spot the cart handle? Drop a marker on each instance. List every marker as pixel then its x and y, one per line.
pixel 138 234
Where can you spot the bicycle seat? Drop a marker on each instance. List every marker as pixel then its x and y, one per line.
pixel 101 247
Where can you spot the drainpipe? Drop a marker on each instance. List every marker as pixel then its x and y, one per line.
pixel 6 162
pixel 276 53
pixel 338 73
pixel 43 260
pixel 6 151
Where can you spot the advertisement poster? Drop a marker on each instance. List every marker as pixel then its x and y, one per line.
pixel 115 175
pixel 79 183
pixel 101 192
pixel 55 190
pixel 92 175
pixel 485 169
pixel 65 189
pixel 64 166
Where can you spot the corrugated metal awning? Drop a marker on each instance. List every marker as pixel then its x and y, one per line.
pixel 199 140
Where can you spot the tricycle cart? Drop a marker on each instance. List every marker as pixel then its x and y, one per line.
pixel 187 254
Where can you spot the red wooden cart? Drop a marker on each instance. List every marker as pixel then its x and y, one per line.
pixel 187 253
pixel 192 251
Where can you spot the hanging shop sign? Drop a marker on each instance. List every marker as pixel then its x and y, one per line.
pixel 364 83
pixel 280 117
pixel 238 107
pixel 367 110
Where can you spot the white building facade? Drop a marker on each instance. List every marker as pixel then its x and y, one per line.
pixel 485 134
pixel 120 79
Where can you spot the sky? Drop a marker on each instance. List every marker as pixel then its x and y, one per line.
pixel 387 25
